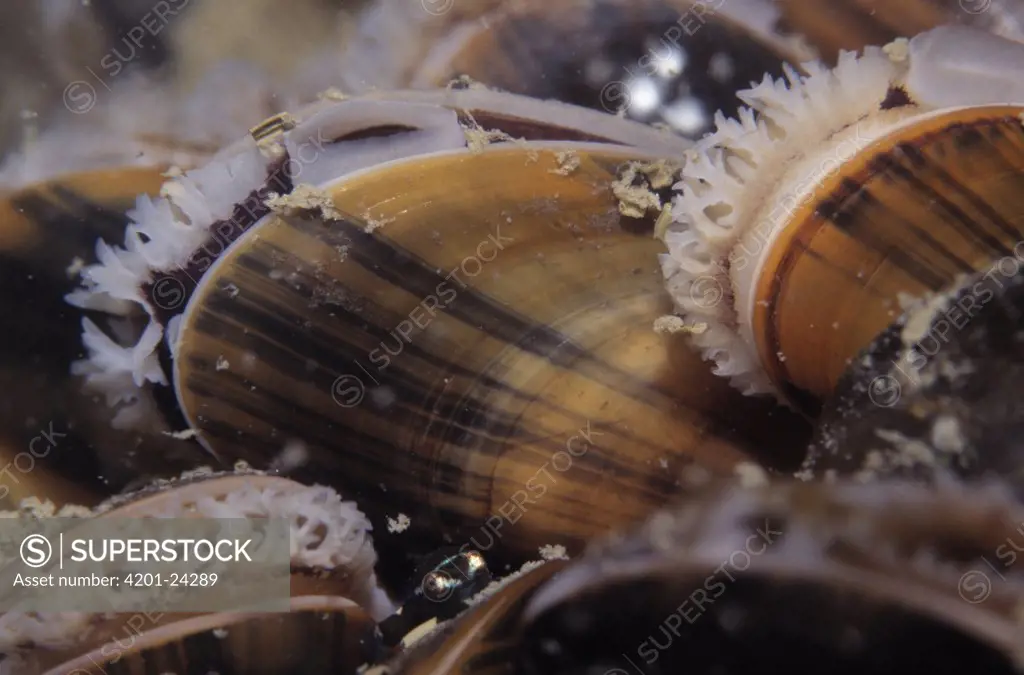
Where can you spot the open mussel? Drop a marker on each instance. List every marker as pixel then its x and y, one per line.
pixel 55 440
pixel 455 330
pixel 75 180
pixel 799 579
pixel 798 225
pixel 335 597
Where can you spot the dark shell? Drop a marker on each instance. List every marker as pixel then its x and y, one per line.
pixel 669 61
pixel 937 392
pixel 833 25
pixel 485 639
pixel 795 579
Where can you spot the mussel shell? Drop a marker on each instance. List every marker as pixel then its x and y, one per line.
pixel 799 579
pixel 834 25
pixel 543 342
pixel 528 303
pixel 797 224
pixel 55 441
pixel 937 392
pixel 205 494
pixel 761 625
pixel 909 214
pixel 695 54
pixel 319 635
pixel 485 639
pixel 332 571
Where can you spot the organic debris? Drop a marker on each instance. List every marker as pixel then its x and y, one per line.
pixel 401 524
pixel 568 162
pixel 635 188
pixel 670 325
pixel 304 199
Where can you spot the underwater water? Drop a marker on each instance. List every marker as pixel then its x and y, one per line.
pixel 593 337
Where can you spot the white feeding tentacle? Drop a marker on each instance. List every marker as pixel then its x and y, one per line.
pixel 163 234
pixel 166 232
pixel 113 360
pixel 325 532
pixel 734 180
pixel 113 280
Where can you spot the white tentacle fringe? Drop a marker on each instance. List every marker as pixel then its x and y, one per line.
pixel 735 171
pixel 164 233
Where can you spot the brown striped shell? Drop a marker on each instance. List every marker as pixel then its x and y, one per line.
pixel 464 337
pixel 797 228
pixel 832 280
pixel 288 320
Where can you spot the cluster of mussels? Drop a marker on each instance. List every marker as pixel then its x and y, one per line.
pixel 550 367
